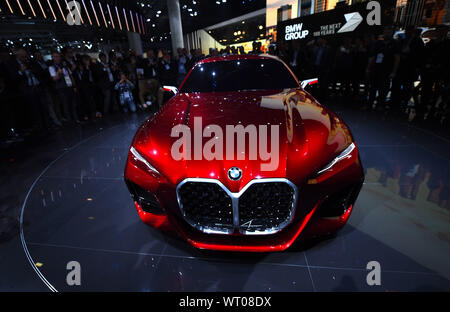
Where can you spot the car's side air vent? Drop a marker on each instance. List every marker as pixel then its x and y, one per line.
pixel 146 200
pixel 337 204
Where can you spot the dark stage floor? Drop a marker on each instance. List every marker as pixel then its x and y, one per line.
pixel 68 193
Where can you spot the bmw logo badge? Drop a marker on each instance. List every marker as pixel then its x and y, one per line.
pixel 234 173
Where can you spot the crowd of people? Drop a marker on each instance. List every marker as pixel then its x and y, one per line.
pixel 398 75
pixel 375 72
pixel 38 95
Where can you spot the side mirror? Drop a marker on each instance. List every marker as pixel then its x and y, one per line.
pixel 174 90
pixel 309 82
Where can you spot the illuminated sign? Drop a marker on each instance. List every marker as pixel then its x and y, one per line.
pixel 357 19
pixel 296 31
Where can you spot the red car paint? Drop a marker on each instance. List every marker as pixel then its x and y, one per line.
pixel 310 137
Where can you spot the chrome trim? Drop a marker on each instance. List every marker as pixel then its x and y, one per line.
pixel 235 204
pixel 142 159
pixel 307 82
pixel 171 89
pixel 344 154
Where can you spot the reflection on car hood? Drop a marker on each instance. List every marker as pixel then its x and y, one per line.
pixel 309 134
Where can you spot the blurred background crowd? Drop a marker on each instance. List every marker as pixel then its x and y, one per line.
pixel 393 72
pixel 40 96
pixel 396 73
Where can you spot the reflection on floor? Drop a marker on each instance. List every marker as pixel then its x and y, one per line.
pixel 79 209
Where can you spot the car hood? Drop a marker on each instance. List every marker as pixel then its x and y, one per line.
pixel 309 135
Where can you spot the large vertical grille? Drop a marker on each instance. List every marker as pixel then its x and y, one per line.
pixel 264 206
pixel 206 206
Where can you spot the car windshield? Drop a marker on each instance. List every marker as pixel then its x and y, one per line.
pixel 239 75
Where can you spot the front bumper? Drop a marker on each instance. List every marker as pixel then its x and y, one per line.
pixel 322 208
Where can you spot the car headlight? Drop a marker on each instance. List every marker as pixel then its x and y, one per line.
pixel 340 162
pixel 345 154
pixel 138 158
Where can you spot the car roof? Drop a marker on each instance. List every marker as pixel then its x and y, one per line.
pixel 238 57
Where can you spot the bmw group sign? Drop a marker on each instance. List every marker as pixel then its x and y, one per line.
pixel 296 32
pixel 361 18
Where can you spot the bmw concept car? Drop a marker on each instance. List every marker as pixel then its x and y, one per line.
pixel 297 174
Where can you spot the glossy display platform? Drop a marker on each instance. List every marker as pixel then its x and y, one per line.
pixel 63 199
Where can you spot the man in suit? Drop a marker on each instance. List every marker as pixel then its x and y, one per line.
pixel 104 77
pixel 167 70
pixel 64 85
pixel 40 68
pixel 27 91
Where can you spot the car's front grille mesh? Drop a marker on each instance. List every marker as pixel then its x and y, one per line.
pixel 206 206
pixel 263 208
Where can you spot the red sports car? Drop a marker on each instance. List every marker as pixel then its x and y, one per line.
pixel 242 158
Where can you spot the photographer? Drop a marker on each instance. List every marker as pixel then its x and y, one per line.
pixel 125 89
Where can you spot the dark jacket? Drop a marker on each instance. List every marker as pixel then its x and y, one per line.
pixel 84 78
pixel 103 75
pixel 167 72
pixel 40 69
pixel 150 68
pixel 17 82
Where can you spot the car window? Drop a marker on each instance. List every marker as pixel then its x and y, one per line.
pixel 239 75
